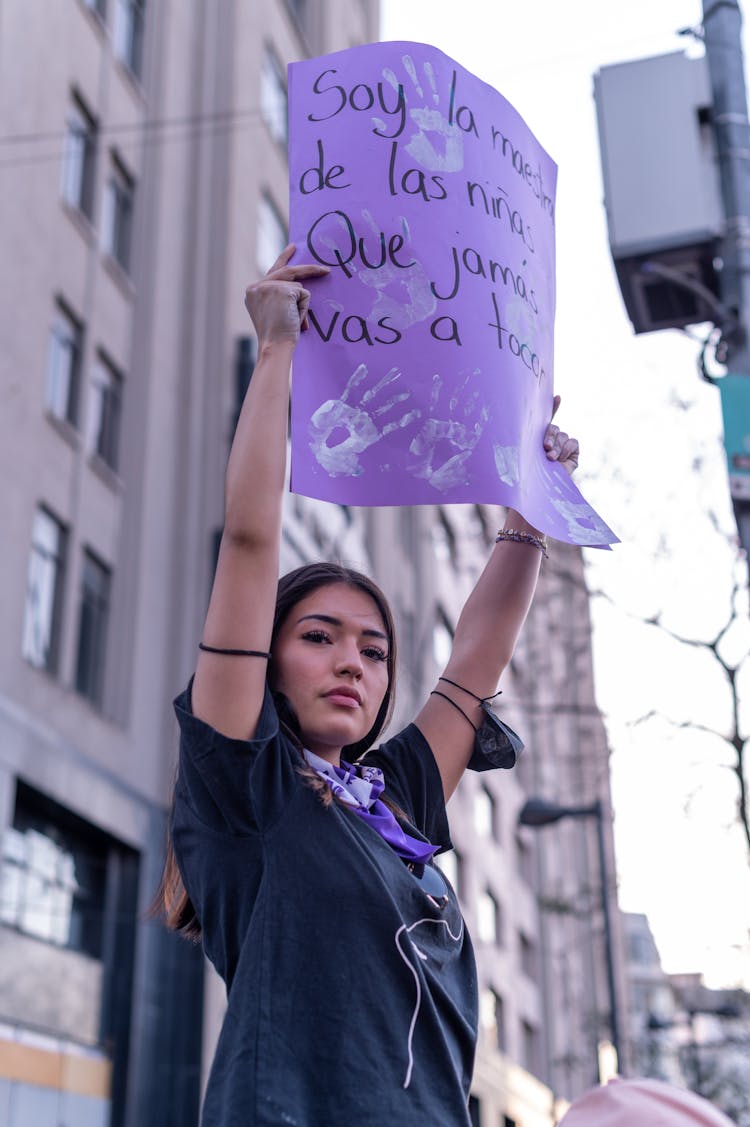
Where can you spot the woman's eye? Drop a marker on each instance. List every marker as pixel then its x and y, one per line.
pixel 316 636
pixel 375 653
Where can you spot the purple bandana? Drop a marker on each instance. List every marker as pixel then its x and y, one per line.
pixel 362 793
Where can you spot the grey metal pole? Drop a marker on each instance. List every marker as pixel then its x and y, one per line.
pixel 614 1021
pixel 722 26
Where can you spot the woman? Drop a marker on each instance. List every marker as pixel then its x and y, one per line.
pixel 350 977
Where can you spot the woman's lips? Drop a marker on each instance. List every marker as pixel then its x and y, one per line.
pixel 344 697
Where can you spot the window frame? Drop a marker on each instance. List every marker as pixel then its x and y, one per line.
pixel 129 33
pixel 302 16
pixel 494 1029
pixel 525 856
pixel 118 213
pixel 78 180
pixel 486 896
pixel 66 340
pixel 105 411
pixel 98 7
pixel 53 627
pixel 93 623
pixel 274 96
pixel 451 865
pixel 114 925
pixel 530 1046
pixel 485 826
pixel 528 956
pixel 267 205
pixel 51 875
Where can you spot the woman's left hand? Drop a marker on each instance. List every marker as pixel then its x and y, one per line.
pixel 558 445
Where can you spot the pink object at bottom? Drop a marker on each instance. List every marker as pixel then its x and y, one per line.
pixel 642 1103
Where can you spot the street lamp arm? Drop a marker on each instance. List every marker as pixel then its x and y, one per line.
pixel 539 812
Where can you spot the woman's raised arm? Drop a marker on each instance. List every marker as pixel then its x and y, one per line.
pixel 486 633
pixel 228 690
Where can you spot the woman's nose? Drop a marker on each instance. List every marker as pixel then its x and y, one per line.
pixel 349 660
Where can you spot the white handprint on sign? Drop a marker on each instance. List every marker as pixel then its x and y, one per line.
pixel 403 295
pixel 438 146
pixel 341 430
pixel 403 292
pixel 444 444
pixel 581 518
pixel 506 463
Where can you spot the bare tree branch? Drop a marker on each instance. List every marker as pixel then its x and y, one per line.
pixel 734 738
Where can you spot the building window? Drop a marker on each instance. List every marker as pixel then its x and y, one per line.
pixel 272 234
pixel 128 33
pixel 41 627
pixel 92 630
pixel 244 366
pixel 484 813
pixel 64 365
pixel 640 950
pixel 480 525
pixel 492 1018
pixel 527 950
pixel 105 412
pixel 450 863
pixel 530 1048
pixel 488 918
pixel 117 218
pixel 79 158
pixel 525 859
pixel 444 540
pixel 303 18
pixel 442 641
pixel 98 6
pixel 66 884
pixel 53 881
pixel 273 96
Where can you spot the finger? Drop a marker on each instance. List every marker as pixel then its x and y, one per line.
pixel 570 451
pixel 303 304
pixel 305 270
pixel 555 404
pixel 550 436
pixel 284 257
pixel 299 270
pixel 554 452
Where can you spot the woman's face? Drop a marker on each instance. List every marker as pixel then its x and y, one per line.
pixel 329 660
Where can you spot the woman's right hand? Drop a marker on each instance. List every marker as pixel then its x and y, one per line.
pixel 278 303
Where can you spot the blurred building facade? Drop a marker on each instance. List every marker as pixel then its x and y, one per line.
pixel 684 1032
pixel 144 178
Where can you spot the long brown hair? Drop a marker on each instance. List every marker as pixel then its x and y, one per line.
pixel 172 902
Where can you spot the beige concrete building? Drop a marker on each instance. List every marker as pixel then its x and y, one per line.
pixel 143 174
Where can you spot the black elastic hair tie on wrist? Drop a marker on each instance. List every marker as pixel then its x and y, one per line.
pixel 495 744
pixel 437 693
pixel 482 700
pixel 233 653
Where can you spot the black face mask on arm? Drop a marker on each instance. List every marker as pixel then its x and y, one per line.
pixel 495 743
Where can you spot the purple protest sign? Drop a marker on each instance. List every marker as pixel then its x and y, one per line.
pixel 427 373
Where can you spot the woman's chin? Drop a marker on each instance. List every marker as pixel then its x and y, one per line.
pixel 334 738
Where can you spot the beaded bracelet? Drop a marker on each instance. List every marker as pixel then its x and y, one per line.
pixel 523 538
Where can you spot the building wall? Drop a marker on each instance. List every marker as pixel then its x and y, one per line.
pixel 188 122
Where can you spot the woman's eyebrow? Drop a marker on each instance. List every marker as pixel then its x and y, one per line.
pixel 337 622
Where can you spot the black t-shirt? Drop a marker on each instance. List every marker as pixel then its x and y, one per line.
pixel 351 993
